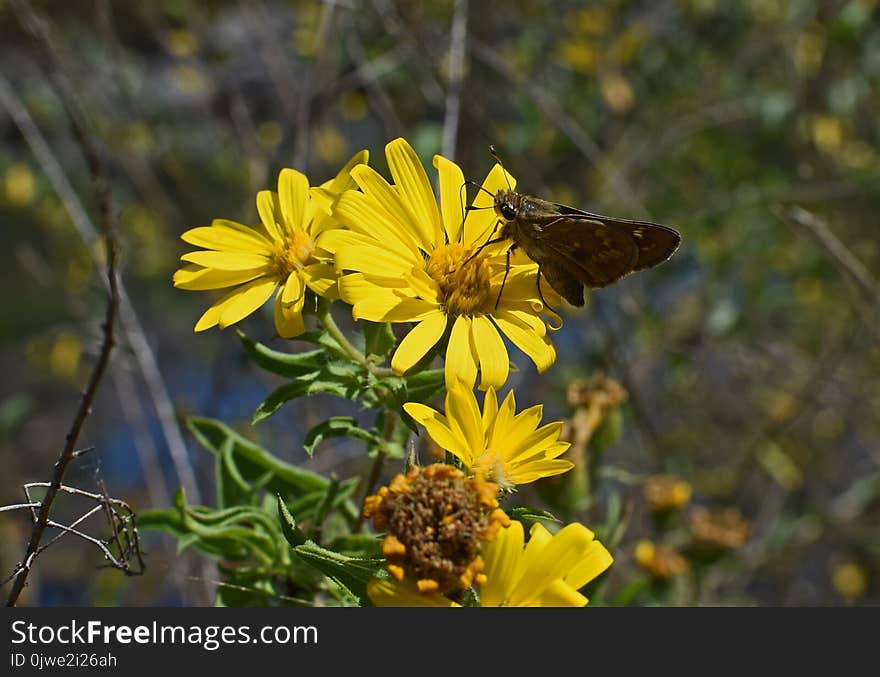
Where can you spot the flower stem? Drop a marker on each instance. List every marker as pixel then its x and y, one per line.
pixel 350 349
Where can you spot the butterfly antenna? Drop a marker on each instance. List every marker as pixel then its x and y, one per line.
pixel 494 154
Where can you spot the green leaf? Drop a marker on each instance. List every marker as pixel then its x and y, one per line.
pixel 351 573
pixel 305 386
pixel 232 488
pixel 379 338
pixel 307 506
pixel 290 365
pixel 252 461
pixel 523 514
pixel 337 426
pixel 289 528
pixel 365 546
pixel 424 385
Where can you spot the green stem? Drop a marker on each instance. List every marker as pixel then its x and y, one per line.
pixel 350 349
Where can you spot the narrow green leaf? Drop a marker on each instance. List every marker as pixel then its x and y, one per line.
pixel 290 365
pixel 523 514
pixel 352 573
pixel 253 461
pixel 337 426
pixel 289 528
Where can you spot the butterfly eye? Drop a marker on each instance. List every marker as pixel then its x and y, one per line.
pixel 507 211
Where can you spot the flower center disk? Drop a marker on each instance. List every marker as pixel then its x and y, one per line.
pixel 463 281
pixel 293 253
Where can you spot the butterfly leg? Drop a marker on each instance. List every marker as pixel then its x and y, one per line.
pixel 541 295
pixel 503 281
pixel 487 242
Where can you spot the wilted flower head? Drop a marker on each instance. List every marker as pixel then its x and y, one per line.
pixel 437 520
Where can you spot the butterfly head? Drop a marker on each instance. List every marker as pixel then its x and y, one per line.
pixel 507 204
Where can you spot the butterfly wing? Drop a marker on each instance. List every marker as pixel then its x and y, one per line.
pixel 600 250
pixel 564 278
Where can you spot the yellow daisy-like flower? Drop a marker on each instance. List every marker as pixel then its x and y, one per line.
pixel 408 261
pixel 497 443
pixel 283 254
pixel 547 572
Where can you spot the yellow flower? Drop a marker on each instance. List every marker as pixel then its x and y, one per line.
pixel 665 493
pixel 547 572
pixel 661 561
pixel 409 261
pixel 506 447
pixel 284 253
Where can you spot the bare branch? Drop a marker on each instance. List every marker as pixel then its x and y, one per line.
pixel 457 51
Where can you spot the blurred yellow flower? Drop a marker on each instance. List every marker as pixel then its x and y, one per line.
pixel 283 254
pixel 718 528
pixel 850 580
pixel 666 492
pixel 499 444
pixel 20 184
pixel 408 261
pixel 548 571
pixel 661 561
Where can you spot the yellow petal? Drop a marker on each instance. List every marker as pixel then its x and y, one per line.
pixel 418 341
pixel 534 442
pixel 559 594
pixel 378 189
pixel 551 561
pixel 197 278
pixel 491 351
pixel 227 239
pixel 490 408
pixel 438 428
pixel 593 562
pixel 343 181
pixel 267 208
pixel 412 181
pixel 321 279
pixel 391 308
pixel 394 594
pixel 538 348
pixel 288 319
pixel 423 285
pixel 371 258
pixel 536 470
pixel 293 288
pixel 502 558
pixel 227 260
pixel 464 416
pixel 480 223
pixel 357 287
pixel 365 215
pixel 245 300
pixel 293 194
pixel 461 363
pixel 453 196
